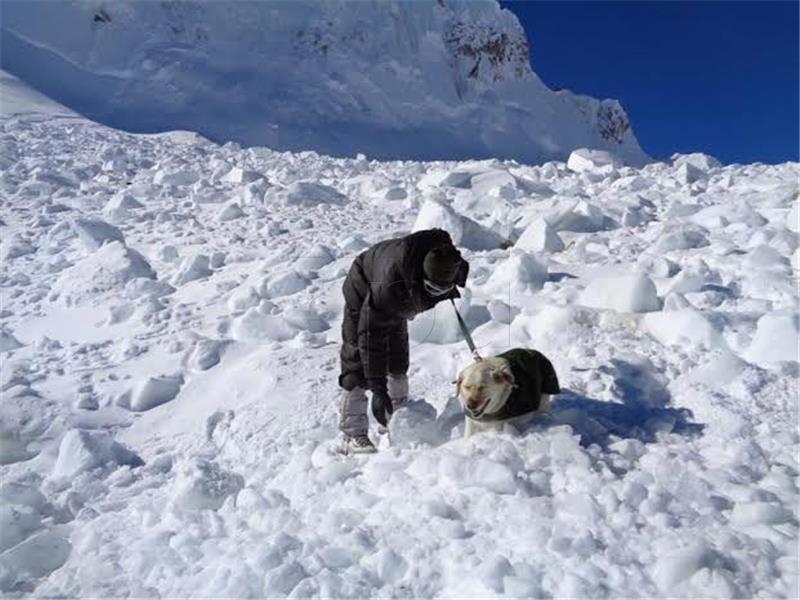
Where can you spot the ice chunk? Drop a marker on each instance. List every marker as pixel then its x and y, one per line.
pixel 95 232
pixel 112 266
pixel 15 246
pixel 203 485
pixel 596 161
pixel 33 559
pixel 688 173
pixel 192 268
pixel 704 162
pixel 676 328
pixel 155 391
pixel 255 326
pixel 284 285
pixel 501 312
pixel 82 450
pixel 521 272
pixel 777 338
pixel 681 238
pixel 177 177
pixel 314 258
pixel 793 217
pixel 242 298
pixel 415 423
pixel 352 244
pixel 240 176
pixel 626 293
pixel 305 319
pixel 307 193
pixel 680 565
pixel 539 237
pixel 7 341
pixel 230 212
pixel 464 231
pixel 582 217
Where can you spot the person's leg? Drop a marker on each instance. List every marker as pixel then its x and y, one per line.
pixel 353 408
pixel 397 382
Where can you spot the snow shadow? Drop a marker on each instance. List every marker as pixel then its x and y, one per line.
pixel 644 409
pixel 596 421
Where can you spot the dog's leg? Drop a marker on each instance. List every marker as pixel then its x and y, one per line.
pixel 469 430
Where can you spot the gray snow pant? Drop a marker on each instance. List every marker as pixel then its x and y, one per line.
pixel 353 410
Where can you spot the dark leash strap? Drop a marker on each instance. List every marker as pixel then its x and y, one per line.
pixel 466 334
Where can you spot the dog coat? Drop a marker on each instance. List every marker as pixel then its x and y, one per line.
pixel 534 375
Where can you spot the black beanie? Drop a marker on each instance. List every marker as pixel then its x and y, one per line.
pixel 441 264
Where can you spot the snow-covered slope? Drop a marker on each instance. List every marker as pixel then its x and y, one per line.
pixel 168 361
pixel 391 79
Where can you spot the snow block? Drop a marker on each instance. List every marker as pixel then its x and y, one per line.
pixel 703 162
pixel 176 177
pixel 584 160
pixel 95 232
pixel 627 293
pixel 203 485
pixel 155 391
pixel 112 266
pixel 15 246
pixel 679 327
pixel 284 285
pixel 240 176
pixel 539 237
pixel 257 327
pixel 8 342
pixel 464 231
pixel 777 339
pixel 230 212
pixel 83 450
pixel 307 193
pixel 521 272
pixel 192 268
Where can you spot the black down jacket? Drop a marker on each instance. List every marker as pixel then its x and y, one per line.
pixel 383 290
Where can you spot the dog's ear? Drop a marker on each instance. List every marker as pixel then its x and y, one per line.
pixel 503 375
pixel 458 384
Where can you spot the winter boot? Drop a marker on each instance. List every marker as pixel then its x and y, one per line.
pixel 397 386
pixel 353 423
pixel 355 444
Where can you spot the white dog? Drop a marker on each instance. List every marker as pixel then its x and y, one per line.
pixel 511 388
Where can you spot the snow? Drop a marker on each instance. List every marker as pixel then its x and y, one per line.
pixel 585 160
pixel 539 237
pixel 170 401
pixel 463 231
pixel 627 293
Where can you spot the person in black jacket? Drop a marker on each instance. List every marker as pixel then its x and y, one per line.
pixel 387 285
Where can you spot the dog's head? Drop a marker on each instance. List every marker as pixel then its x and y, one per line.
pixel 483 387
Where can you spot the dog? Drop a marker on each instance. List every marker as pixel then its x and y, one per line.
pixel 509 389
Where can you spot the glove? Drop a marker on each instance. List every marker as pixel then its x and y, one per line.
pixel 381 402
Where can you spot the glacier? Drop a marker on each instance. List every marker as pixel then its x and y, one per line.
pixel 423 80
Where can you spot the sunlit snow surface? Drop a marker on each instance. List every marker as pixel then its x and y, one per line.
pixel 170 315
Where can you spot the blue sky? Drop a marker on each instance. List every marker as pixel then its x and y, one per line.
pixel 714 76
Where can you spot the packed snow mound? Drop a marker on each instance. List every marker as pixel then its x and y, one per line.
pixel 108 268
pixel 464 232
pixel 425 80
pixel 628 293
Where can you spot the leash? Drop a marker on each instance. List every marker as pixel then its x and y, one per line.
pixel 466 334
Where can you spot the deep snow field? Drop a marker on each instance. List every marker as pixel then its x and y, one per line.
pixel 170 315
